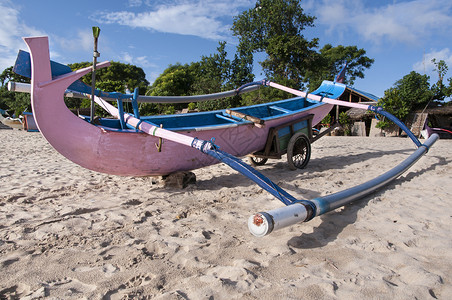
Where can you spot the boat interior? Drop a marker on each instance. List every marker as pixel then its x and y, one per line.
pixel 220 118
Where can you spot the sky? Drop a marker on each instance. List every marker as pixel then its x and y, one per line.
pixel 402 36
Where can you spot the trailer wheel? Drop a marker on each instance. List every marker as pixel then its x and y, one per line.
pixel 298 151
pixel 257 161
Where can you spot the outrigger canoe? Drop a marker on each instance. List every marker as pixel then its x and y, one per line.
pixel 127 146
pixel 113 148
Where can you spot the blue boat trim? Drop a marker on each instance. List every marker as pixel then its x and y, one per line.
pixel 136 112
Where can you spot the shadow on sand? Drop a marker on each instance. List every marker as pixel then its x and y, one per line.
pixel 334 222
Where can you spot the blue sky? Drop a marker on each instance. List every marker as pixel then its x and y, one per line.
pixel 401 36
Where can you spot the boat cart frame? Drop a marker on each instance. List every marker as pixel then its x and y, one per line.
pixel 294 139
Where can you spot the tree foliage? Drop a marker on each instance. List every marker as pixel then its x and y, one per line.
pixel 414 92
pixel 329 62
pixel 440 90
pixel 176 80
pixel 116 78
pixel 276 28
pixel 215 74
pixel 15 102
pixel 212 74
pixel 408 94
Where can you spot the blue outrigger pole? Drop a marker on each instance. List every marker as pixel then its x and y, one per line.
pixel 263 223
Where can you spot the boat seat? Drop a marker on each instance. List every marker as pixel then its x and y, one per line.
pixel 286 111
pixel 242 116
pixel 226 118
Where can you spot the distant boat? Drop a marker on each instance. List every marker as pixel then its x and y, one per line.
pixel 29 122
pixel 441 132
pixel 12 122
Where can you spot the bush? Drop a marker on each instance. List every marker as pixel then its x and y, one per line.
pixel 344 120
pixel 327 120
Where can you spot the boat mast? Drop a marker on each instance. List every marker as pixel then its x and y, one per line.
pixel 96 32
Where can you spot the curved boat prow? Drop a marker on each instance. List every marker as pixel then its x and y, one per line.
pixel 62 129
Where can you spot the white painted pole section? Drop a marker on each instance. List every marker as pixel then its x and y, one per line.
pixel 19 87
pixel 316 97
pixel 264 223
pixel 146 127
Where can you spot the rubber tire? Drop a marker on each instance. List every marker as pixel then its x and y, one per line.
pixel 257 161
pixel 298 151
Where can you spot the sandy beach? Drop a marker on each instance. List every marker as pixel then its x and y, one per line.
pixel 70 233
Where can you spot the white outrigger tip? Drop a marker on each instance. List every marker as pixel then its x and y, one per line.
pixel 263 223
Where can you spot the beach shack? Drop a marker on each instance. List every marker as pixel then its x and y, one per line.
pixel 362 121
pixel 433 120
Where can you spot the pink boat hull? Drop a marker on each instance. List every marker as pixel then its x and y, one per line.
pixel 129 153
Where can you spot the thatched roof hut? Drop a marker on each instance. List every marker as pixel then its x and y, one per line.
pixel 440 116
pixel 356 114
pixel 353 95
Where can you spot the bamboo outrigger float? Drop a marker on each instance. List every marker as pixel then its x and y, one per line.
pixel 126 146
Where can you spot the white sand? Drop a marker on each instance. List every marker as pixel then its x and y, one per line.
pixel 69 233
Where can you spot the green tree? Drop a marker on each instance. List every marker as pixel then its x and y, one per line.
pixel 330 60
pixel 415 90
pixel 176 80
pixel 440 90
pixel 15 102
pixel 408 94
pixel 116 78
pixel 215 74
pixel 275 27
pixel 242 67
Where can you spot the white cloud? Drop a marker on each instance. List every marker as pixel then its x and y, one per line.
pixel 127 58
pixel 82 40
pixel 426 65
pixel 11 33
pixel 406 21
pixel 139 61
pixel 198 18
pixel 134 3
